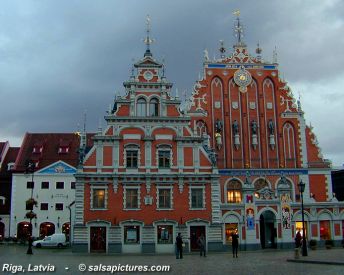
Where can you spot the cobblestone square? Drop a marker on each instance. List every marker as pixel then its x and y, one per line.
pixel 259 262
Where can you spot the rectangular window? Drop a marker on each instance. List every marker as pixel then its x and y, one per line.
pixel 197 198
pixel 325 230
pixel 132 234
pixel 233 196
pixel 60 185
pixel 165 234
pixel 63 150
pixel 132 158
pixel 72 185
pixel 59 206
pixel 164 198
pixel 44 206
pixel 131 198
pixel 164 158
pixel 45 185
pixel 98 199
pixel 30 185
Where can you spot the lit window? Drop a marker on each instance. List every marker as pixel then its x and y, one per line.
pixel 154 107
pixel 165 234
pixel 197 198
pixel 141 107
pixel 164 158
pixel 231 228
pixel 131 198
pixel 325 230
pixel 234 194
pixel 98 199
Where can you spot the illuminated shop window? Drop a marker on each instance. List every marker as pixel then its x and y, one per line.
pixel 298 227
pixel 98 199
pixel 325 230
pixel 230 228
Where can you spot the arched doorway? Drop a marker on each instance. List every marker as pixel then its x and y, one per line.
pixel 66 230
pixel 2 231
pixel 24 229
pixel 268 232
pixel 46 229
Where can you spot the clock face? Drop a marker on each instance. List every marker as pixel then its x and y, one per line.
pixel 242 78
pixel 148 75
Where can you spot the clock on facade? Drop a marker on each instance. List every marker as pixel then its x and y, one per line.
pixel 148 75
pixel 242 78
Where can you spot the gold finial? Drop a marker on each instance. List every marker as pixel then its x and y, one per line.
pixel 236 13
pixel 148 40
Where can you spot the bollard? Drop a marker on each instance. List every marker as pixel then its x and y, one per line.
pixel 297 253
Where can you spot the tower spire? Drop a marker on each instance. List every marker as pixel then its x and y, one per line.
pixel 238 28
pixel 148 41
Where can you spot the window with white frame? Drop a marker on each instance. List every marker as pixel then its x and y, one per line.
pixel 165 234
pixel 153 107
pixel 131 234
pixel 98 198
pixel 131 198
pixel 132 158
pixel 164 158
pixel 141 107
pixel 197 198
pixel 164 198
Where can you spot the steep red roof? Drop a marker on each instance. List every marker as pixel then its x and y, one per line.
pixel 11 156
pixel 44 149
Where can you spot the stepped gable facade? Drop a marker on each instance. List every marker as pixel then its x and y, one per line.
pixel 147 177
pixel 264 148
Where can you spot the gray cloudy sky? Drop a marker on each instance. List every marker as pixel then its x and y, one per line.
pixel 59 58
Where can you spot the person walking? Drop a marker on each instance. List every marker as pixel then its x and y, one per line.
pixel 298 239
pixel 235 243
pixel 201 244
pixel 179 246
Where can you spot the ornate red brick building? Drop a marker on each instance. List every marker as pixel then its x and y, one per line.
pixel 231 159
pixel 264 149
pixel 148 177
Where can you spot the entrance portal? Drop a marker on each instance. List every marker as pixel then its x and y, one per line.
pixel 98 239
pixel 46 229
pixel 195 233
pixel 268 232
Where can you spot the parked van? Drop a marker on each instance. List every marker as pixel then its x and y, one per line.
pixel 55 240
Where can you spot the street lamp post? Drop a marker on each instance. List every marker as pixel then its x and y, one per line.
pixel 304 243
pixel 30 203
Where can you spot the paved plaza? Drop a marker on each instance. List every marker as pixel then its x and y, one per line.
pixel 258 262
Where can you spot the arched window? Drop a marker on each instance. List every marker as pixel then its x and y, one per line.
pixel 153 107
pixel 234 192
pixel 141 107
pixel 260 184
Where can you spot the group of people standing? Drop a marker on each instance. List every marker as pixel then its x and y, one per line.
pixel 202 245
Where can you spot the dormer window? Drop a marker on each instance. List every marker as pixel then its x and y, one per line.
pixel 141 107
pixel 37 149
pixel 63 149
pixel 153 107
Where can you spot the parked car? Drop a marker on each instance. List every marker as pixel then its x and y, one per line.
pixel 55 240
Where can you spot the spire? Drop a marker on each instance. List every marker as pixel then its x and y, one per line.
pixel 148 41
pixel 238 29
pixel 259 52
pixel 274 56
pixel 222 49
